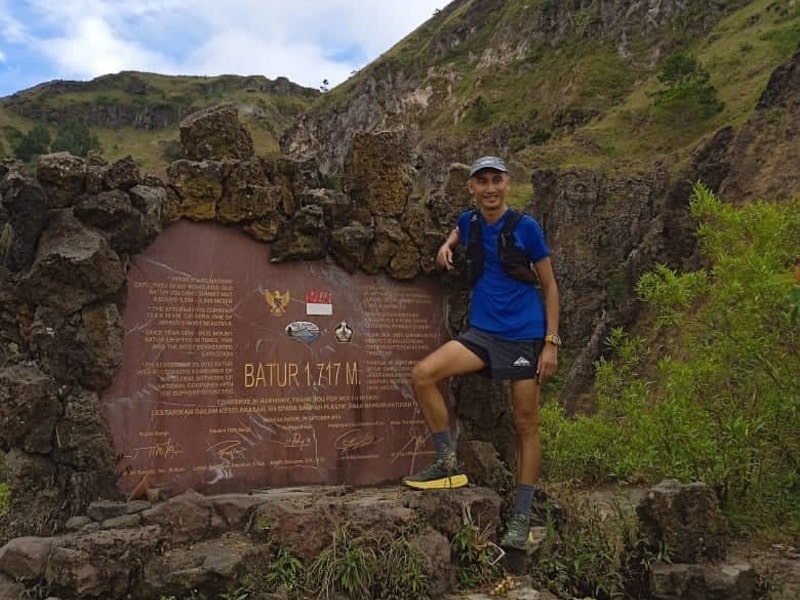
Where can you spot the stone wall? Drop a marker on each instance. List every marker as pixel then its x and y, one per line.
pixel 68 233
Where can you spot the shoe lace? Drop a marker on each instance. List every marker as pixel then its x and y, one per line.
pixel 447 461
pixel 518 524
pixel 443 463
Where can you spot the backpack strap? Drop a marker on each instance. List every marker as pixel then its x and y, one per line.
pixel 474 228
pixel 514 261
pixel 509 226
pixel 474 253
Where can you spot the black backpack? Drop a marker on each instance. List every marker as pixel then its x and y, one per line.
pixel 514 261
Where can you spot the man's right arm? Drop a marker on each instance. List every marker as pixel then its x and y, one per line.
pixel 444 258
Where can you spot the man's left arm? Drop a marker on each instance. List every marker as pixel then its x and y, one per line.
pixel 548 359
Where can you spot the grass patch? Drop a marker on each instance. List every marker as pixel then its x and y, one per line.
pixel 519 195
pixel 359 564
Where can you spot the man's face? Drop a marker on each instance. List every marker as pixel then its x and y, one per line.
pixel 489 188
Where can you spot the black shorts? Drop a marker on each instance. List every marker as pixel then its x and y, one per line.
pixel 505 359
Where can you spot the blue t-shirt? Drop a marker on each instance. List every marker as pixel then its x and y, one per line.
pixel 500 304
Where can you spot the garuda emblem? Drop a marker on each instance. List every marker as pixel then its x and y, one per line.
pixel 277 301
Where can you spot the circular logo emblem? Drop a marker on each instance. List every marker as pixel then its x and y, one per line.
pixel 303 331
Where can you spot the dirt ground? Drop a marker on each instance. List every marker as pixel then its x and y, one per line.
pixel 777 564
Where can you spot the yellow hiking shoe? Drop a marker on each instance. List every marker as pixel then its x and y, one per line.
pixel 443 474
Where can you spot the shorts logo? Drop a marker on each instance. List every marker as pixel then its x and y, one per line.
pixel 522 362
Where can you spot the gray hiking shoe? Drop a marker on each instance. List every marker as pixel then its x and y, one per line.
pixel 444 473
pixel 517 529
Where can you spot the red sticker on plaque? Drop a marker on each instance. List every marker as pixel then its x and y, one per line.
pixel 319 303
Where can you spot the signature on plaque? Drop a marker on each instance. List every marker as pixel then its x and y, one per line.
pixel 165 449
pixel 297 440
pixel 353 439
pixel 227 451
pixel 415 443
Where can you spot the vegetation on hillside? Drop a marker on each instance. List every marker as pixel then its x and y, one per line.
pixel 506 77
pixel 686 97
pixel 558 84
pixel 710 391
pixel 138 114
pixel 72 136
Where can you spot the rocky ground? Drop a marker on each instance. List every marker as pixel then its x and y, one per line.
pixel 150 550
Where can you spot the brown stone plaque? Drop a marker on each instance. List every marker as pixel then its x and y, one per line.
pixel 239 374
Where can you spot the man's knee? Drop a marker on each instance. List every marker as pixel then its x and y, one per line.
pixel 422 375
pixel 526 423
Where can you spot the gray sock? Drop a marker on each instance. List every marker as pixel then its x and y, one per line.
pixel 442 441
pixel 524 498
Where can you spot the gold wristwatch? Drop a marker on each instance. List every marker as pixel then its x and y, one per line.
pixel 553 338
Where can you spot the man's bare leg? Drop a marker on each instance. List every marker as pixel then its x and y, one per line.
pixel 525 402
pixel 452 358
pixel 449 359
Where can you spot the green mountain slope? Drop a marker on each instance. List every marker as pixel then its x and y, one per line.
pixel 558 83
pixel 546 83
pixel 139 113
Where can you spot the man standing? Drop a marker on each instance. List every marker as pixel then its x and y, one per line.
pixel 512 335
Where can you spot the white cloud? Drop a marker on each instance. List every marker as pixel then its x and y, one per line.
pixel 93 49
pixel 236 51
pixel 11 29
pixel 306 41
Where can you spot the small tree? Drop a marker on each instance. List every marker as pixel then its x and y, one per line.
pixel 34 143
pixel 75 138
pixel 686 95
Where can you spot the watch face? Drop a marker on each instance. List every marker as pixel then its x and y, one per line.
pixel 554 339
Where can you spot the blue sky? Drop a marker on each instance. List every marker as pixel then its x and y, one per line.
pixel 307 41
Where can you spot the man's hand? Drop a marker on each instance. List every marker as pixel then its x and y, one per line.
pixel 548 363
pixel 444 258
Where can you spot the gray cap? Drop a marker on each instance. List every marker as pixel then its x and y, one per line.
pixel 488 162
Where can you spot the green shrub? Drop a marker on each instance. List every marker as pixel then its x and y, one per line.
pixel 332 182
pixel 711 392
pixel 686 96
pixel 349 566
pixel 406 577
pixel 285 573
pixel 480 112
pixel 172 150
pixel 33 143
pixel 75 138
pixel 13 136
